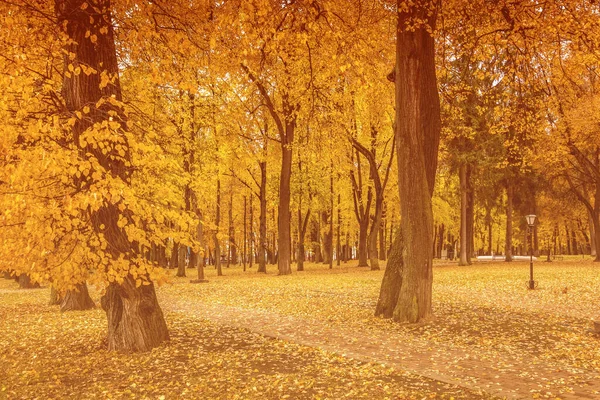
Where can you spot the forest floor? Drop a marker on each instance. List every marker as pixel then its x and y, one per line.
pixel 313 335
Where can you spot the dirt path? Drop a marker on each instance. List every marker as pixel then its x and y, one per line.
pixel 495 374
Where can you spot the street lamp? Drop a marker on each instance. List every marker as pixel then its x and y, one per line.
pixel 531 221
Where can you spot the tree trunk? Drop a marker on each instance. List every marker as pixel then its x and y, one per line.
pixel 594 238
pixel 55 297
pixel 284 216
pixel 174 256
pixel 216 235
pixel 77 299
pixel 392 280
pixel 362 243
pixel 200 258
pixel 25 282
pixel 464 231
pixel 470 215
pixel 509 222
pixel 251 252
pixel 406 287
pixel 338 247
pixel 133 325
pixel 181 255
pixel 382 239
pixel 232 245
pixel 262 235
pixel 568 236
pixel 488 220
pixel 135 320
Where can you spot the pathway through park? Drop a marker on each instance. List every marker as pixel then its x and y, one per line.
pixel 496 374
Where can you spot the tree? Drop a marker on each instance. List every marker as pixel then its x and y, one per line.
pixel 405 293
pixel 135 320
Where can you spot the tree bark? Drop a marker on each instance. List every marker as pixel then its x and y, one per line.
pixel 25 282
pixel 262 234
pixel 217 242
pixel 594 243
pixel 418 129
pixel 135 320
pixel 55 297
pixel 509 222
pixel 181 255
pixel 77 299
pixel 284 216
pixel 463 259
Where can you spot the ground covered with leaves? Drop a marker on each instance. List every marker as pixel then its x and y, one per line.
pixel 313 335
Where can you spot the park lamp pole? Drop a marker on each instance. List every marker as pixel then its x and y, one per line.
pixel 531 221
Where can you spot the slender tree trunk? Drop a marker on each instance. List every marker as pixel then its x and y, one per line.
pixel 509 221
pixel 201 255
pixel 441 241
pixel 244 254
pixel 338 248
pixel 77 299
pixel 251 258
pixel 382 240
pixel 362 243
pixel 284 216
pixel 232 253
pixel 488 220
pixel 181 256
pixel 217 242
pixel 262 245
pixel 594 242
pixel 568 236
pixel 406 287
pixel 470 215
pixel 464 231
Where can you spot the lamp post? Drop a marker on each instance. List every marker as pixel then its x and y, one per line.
pixel 531 221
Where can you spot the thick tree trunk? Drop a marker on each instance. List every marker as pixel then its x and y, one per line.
pixel 509 222
pixel 418 128
pixel 392 280
pixel 135 320
pixel 77 299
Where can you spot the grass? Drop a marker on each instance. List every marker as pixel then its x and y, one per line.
pixel 484 308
